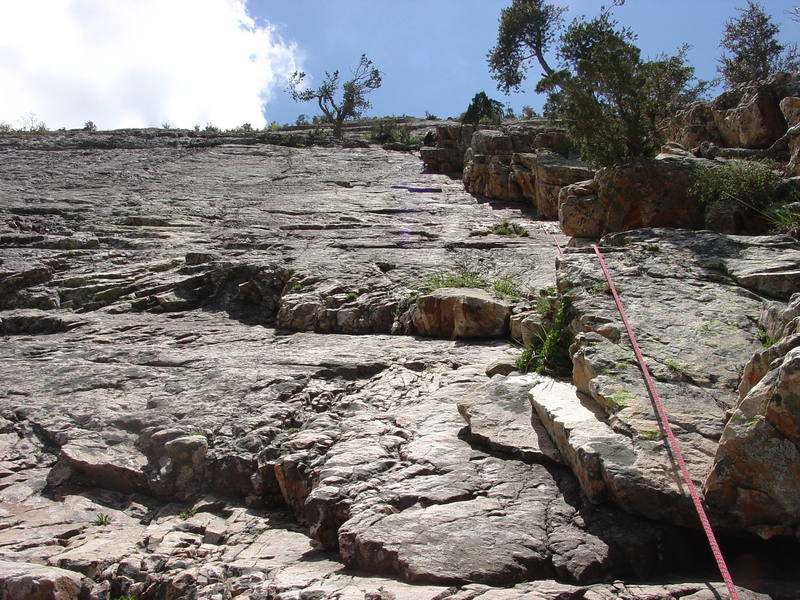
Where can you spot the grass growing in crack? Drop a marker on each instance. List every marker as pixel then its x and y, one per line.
pixel 600 288
pixel 102 519
pixel 650 434
pixel 187 514
pixel 549 354
pixel 506 227
pixel 351 295
pixel 784 218
pixel 505 287
pixel 677 366
pixel 766 339
pixel 463 277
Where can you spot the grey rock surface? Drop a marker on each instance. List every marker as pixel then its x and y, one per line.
pixel 174 423
pixel 689 297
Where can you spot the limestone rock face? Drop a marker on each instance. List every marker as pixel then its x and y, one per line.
pixel 452 141
pixel 696 336
pixel 206 403
pixel 521 162
pixel 635 193
pixel 748 117
pixel 547 172
pixel 752 115
pixel 461 313
pixel 756 473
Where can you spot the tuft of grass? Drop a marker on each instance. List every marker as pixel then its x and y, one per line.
pixel 650 434
pixel 766 339
pixel 549 354
pixel 102 519
pixel 187 514
pixel 784 218
pixel 600 288
pixel 507 288
pixel 126 597
pixel 463 277
pixel 506 227
pixel 351 295
pixel 199 432
pixel 677 366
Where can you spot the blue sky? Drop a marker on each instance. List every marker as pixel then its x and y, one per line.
pixel 433 52
pixel 125 63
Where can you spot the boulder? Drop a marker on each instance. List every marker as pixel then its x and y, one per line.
pixel 748 116
pixel 756 474
pixel 527 327
pixel 461 313
pixel 27 581
pixel 500 417
pixel 692 126
pixel 580 211
pixel 790 108
pixel 647 193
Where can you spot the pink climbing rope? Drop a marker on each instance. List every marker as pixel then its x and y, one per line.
pixel 555 241
pixel 673 442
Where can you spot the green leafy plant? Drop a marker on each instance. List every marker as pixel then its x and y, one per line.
pixel 650 434
pixel 506 227
pixel 187 514
pixel 351 295
pixel 549 353
pixel 102 519
pixel 748 185
pixel 211 129
pixel 126 597
pixel 766 339
pixel 600 288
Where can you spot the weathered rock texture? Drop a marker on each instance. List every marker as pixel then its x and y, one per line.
pixel 690 298
pixel 175 425
pixel 748 116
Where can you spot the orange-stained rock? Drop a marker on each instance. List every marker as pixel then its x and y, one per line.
pixel 461 313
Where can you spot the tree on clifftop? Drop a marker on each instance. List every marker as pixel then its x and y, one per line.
pixel 611 99
pixel 351 102
pixel 755 53
pixel 527 30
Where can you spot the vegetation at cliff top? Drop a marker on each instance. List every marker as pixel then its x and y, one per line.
pixel 755 52
pixel 338 105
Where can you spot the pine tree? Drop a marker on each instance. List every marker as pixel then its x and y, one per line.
pixel 755 52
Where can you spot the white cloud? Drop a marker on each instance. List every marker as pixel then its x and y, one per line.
pixel 136 63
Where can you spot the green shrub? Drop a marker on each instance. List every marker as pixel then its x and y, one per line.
pixel 384 131
pixel 549 354
pixel 430 116
pixel 784 218
pixel 750 184
pixel 483 110
pixel 505 227
pixel 89 126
